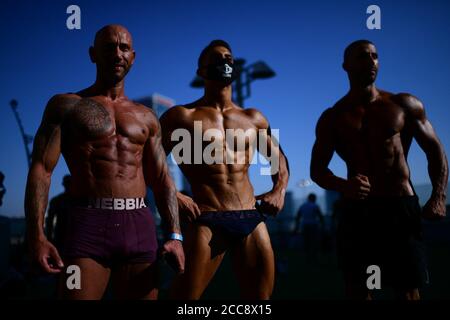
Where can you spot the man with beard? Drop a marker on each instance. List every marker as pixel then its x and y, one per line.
pixel 372 131
pixel 112 147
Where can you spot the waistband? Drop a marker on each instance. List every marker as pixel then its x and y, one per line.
pixel 232 214
pixel 110 203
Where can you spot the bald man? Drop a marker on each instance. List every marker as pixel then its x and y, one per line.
pixel 113 149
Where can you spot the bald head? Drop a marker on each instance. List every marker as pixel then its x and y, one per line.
pixel 111 31
pixel 112 52
pixel 354 46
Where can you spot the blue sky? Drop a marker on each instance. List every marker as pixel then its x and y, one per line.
pixel 302 41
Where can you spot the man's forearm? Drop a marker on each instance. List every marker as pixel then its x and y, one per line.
pixel 281 178
pixel 438 172
pixel 328 181
pixel 36 198
pixel 167 203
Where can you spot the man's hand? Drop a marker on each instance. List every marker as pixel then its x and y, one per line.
pixel 271 202
pixel 434 209
pixel 173 252
pixel 46 255
pixel 357 187
pixel 187 207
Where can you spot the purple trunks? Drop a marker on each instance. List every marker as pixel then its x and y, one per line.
pixel 111 232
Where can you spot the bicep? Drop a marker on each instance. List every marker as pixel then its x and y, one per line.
pixel 268 143
pixel 321 154
pixel 166 133
pixel 47 142
pixel 425 135
pixel 423 131
pixel 154 162
pixel 324 145
pixel 170 122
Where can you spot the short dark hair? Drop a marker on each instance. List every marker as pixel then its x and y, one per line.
pixel 353 46
pixel 212 44
pixel 312 197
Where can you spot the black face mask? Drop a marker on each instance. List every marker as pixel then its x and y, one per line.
pixel 223 71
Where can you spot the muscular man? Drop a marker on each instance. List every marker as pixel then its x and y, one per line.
pixel 221 215
pixel 372 131
pixel 113 149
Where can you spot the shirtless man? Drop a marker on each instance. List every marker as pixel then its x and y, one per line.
pixel 113 149
pixel 372 131
pixel 222 214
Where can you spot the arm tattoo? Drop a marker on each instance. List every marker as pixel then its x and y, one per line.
pixel 162 184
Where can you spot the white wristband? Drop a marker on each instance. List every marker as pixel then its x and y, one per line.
pixel 175 236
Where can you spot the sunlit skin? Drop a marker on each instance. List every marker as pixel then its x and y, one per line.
pixel 222 187
pixel 112 147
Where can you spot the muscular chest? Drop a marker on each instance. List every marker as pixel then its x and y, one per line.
pixel 375 123
pixel 91 120
pixel 233 132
